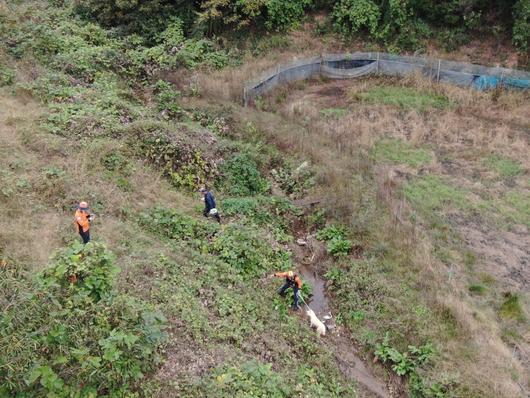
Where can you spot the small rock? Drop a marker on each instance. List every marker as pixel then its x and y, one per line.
pixel 301 242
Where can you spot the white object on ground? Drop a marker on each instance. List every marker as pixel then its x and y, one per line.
pixel 213 212
pixel 315 322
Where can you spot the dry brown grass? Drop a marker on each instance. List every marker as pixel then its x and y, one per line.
pixel 36 214
pixel 477 125
pixel 227 84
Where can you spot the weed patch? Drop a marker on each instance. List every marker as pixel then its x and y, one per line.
pixel 7 75
pixel 271 211
pixel 431 194
pixel 503 166
pixel 177 226
pixel 398 152
pixel 241 176
pixel 337 243
pixel 180 160
pixel 249 251
pixel 515 207
pixel 478 289
pixel 511 307
pixel 404 97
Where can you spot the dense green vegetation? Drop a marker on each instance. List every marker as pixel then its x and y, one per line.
pixel 83 328
pixel 69 333
pixel 400 24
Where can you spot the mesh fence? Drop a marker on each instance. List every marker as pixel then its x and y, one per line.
pixel 346 66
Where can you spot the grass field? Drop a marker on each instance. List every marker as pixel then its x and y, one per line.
pixel 410 202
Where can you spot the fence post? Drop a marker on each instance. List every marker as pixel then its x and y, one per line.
pixel 244 96
pixel 438 73
pixel 377 64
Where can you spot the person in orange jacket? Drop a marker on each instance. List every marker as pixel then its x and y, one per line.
pixel 292 280
pixel 82 221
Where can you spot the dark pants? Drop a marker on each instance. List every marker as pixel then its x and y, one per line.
pixel 85 235
pixel 206 213
pixel 296 291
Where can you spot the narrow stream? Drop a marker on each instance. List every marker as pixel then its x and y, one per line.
pixel 317 301
pixel 346 355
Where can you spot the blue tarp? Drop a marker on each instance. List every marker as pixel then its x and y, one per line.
pixel 486 82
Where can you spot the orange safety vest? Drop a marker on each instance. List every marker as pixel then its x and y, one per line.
pixel 81 220
pixel 293 280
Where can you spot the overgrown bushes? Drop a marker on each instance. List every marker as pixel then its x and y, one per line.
pixel 249 251
pixel 241 176
pixel 69 334
pixel 175 225
pixel 337 243
pixel 407 24
pixel 172 153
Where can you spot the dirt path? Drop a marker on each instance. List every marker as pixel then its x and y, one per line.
pixel 346 353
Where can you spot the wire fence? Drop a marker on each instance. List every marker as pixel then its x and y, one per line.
pixel 347 66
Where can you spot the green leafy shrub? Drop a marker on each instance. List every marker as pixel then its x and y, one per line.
pixel 357 287
pixel 167 100
pixel 75 337
pixel 294 182
pixel 241 176
pixel 401 28
pixel 100 109
pixel 249 379
pixel 404 363
pixel 453 39
pixel 419 388
pixel 174 225
pixel 261 210
pixel 7 76
pixel 85 269
pixel 149 19
pixel 409 364
pixel 173 154
pixel 511 307
pixel 203 51
pixel 337 243
pixel 248 251
pixel 282 15
pixel 521 26
pixel 353 16
pixel 116 162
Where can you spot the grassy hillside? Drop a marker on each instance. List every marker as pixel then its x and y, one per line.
pixel 418 237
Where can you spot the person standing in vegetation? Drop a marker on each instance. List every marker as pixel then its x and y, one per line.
pixel 82 221
pixel 292 280
pixel 209 205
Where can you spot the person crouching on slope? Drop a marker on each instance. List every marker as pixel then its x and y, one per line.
pixel 209 205
pixel 292 280
pixel 82 220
